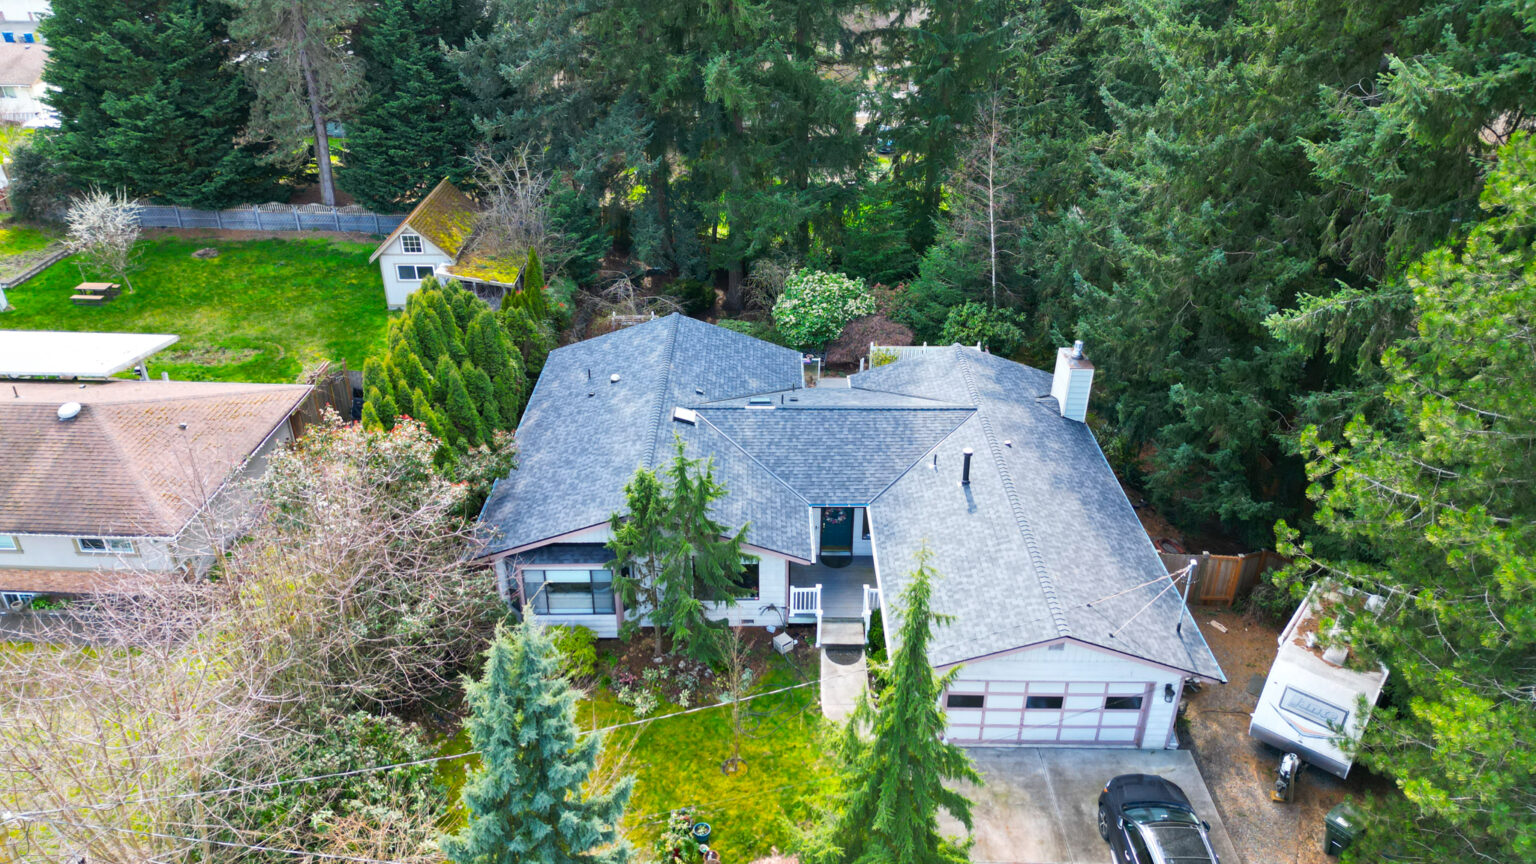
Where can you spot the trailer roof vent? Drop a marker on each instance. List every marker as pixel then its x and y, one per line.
pixel 69 410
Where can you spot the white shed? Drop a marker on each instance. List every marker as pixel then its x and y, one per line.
pixel 437 239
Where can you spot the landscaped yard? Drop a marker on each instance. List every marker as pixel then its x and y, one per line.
pixel 258 311
pixel 676 761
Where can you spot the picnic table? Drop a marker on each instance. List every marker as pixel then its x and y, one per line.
pixel 94 293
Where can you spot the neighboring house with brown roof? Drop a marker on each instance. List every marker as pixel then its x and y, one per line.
pixel 438 239
pixel 22 87
pixel 102 481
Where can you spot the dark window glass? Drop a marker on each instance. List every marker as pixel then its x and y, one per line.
pixel 965 700
pixel 602 592
pixel 1049 702
pixel 563 595
pixel 533 593
pixel 1123 703
pixel 1138 847
pixel 865 514
pixel 747 580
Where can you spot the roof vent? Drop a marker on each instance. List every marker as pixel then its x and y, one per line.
pixel 69 410
pixel 685 415
pixel 614 378
pixel 965 470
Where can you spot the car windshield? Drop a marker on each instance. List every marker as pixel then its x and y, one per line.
pixel 1178 843
pixel 1148 814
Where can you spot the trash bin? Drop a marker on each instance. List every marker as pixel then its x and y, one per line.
pixel 1340 828
pixel 701 833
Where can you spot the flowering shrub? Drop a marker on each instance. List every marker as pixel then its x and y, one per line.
pixel 815 306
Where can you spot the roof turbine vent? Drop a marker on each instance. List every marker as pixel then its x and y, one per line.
pixel 69 410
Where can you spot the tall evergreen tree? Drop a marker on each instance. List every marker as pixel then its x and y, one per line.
pixel 529 801
pixel 299 58
pixel 413 129
pixel 895 777
pixel 148 102
pixel 1433 511
pixel 671 558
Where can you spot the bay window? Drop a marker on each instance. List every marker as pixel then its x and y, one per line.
pixel 569 592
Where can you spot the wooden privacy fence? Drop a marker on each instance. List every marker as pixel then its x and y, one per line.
pixel 1222 580
pixel 269 218
pixel 333 388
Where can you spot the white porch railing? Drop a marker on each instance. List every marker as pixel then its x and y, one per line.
pixel 871 603
pixel 806 601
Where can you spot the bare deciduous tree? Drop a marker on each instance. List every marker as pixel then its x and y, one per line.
pixel 985 188
pixel 104 232
pixel 348 591
pixel 514 197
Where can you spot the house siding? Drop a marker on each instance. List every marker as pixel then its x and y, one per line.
pixel 1083 677
pixel 396 289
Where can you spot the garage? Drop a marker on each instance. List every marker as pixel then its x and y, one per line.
pixel 1090 713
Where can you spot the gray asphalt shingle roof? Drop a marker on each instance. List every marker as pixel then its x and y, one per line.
pixel 1041 545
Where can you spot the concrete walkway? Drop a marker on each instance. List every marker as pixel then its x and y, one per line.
pixel 1040 805
pixel 841 686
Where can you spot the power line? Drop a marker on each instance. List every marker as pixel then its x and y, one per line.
pixel 640 722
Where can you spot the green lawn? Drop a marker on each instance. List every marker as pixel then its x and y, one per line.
pixel 15 239
pixel 257 312
pixel 676 763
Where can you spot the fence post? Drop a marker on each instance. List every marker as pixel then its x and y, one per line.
pixel 257 210
pixel 377 225
pixel 176 208
pixel 336 218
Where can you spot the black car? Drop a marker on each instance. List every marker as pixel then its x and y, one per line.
pixel 1147 820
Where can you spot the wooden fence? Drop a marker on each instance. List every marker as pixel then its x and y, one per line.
pixel 333 388
pixel 1222 580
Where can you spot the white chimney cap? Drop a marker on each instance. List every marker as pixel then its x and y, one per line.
pixel 69 410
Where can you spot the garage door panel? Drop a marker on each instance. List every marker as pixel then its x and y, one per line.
pixel 1122 718
pixel 963 716
pixel 1096 687
pixel 1080 713
pixel 1079 733
pixel 1080 703
pixel 1119 735
pixel 1005 701
pixel 1002 733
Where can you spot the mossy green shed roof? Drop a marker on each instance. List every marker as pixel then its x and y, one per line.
pixel 446 217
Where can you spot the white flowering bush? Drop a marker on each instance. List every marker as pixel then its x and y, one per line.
pixel 816 305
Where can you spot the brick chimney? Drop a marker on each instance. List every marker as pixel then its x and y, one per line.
pixel 1072 381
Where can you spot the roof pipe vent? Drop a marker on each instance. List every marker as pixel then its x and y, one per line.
pixel 614 378
pixel 965 467
pixel 69 410
pixel 1077 350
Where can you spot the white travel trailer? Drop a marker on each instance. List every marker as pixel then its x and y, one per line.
pixel 1312 701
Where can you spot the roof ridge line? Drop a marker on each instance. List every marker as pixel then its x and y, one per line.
pixel 758 462
pixel 915 462
pixel 661 386
pixel 1047 585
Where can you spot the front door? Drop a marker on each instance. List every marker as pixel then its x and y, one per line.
pixel 837 530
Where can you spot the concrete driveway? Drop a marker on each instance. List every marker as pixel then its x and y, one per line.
pixel 1040 805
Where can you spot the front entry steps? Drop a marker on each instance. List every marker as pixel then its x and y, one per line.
pixel 844 632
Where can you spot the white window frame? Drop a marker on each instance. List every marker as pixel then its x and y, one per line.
pixel 11 91
pixel 10 543
pixel 417 271
pixel 110 546
pixel 405 244
pixel 9 597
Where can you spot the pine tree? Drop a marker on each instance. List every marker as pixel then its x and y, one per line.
pixel 529 801
pixel 671 557
pixel 895 778
pixel 149 103
pixel 412 130
pixel 532 336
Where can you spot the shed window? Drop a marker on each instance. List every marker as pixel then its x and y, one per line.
pixel 10 91
pixel 9 543
pixel 15 598
pixel 411 244
pixel 413 272
pixel 965 700
pixel 9 36
pixel 1122 703
pixel 1048 702
pixel 104 546
pixel 28 38
pixel 569 592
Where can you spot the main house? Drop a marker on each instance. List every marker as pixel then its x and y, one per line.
pixel 1065 624
pixel 104 482
pixel 440 238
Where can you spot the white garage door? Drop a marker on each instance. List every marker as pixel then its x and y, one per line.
pixel 1096 713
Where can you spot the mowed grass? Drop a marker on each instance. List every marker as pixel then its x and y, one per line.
pixel 259 311
pixel 676 763
pixel 16 238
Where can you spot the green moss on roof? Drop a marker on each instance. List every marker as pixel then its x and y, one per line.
pixel 446 217
pixel 488 268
